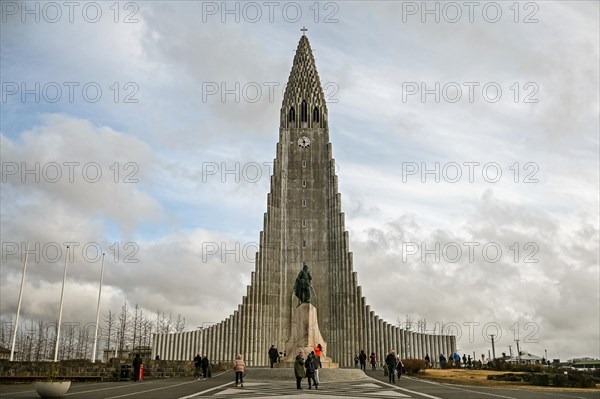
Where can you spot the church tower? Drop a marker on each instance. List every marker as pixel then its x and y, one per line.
pixel 304 222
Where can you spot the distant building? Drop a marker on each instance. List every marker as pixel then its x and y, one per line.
pixel 526 358
pixel 586 363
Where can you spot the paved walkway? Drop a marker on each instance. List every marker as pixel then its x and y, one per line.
pixel 261 383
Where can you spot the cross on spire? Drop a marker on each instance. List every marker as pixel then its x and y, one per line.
pixel 303 31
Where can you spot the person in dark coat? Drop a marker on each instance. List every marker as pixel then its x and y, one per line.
pixel 399 368
pixel 442 361
pixel 197 367
pixel 299 370
pixel 390 362
pixel 309 365
pixel 363 360
pixel 273 355
pixel 205 364
pixel 137 363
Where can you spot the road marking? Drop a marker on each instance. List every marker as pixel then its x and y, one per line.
pixel 105 389
pixel 406 390
pixel 150 390
pixel 206 390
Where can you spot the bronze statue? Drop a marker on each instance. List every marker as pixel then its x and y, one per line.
pixel 302 285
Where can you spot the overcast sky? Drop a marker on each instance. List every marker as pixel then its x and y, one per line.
pixel 154 126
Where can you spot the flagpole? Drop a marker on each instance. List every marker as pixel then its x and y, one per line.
pixel 12 349
pixel 98 311
pixel 62 292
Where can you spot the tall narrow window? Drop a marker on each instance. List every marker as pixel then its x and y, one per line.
pixel 303 183
pixel 303 202
pixel 316 115
pixel 304 163
pixel 303 244
pixel 304 223
pixel 292 115
pixel 303 112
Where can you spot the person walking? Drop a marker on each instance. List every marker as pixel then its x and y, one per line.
pixel 205 364
pixel 239 367
pixel 299 370
pixel 273 355
pixel 390 362
pixel 399 367
pixel 362 358
pixel 427 361
pixel 309 365
pixel 456 358
pixel 373 360
pixel 137 363
pixel 197 367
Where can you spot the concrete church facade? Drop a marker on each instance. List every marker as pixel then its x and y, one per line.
pixel 304 222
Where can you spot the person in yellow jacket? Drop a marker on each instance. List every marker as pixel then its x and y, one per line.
pixel 239 367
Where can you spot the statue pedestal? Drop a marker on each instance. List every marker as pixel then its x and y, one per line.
pixel 304 336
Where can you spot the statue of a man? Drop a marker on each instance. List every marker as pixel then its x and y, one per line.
pixel 302 285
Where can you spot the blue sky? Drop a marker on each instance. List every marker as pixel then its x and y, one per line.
pixel 370 54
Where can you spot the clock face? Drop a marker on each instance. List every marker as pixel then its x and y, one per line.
pixel 303 141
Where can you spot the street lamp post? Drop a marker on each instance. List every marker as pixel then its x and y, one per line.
pixel 62 293
pixel 98 310
pixel 12 349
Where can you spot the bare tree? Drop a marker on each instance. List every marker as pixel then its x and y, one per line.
pixel 147 326
pixel 422 325
pixel 163 323
pixel 180 324
pixel 49 332
pixel 83 341
pixel 122 327
pixel 67 345
pixel 135 327
pixel 408 324
pixel 6 331
pixel 109 322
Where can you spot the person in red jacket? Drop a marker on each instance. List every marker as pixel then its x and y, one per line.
pixel 318 350
pixel 373 359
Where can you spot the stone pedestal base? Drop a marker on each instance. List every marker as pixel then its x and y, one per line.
pixel 304 336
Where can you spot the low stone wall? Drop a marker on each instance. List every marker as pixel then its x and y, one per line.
pixel 111 371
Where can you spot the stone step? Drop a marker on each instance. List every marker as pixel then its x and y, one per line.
pixel 290 365
pixel 287 374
